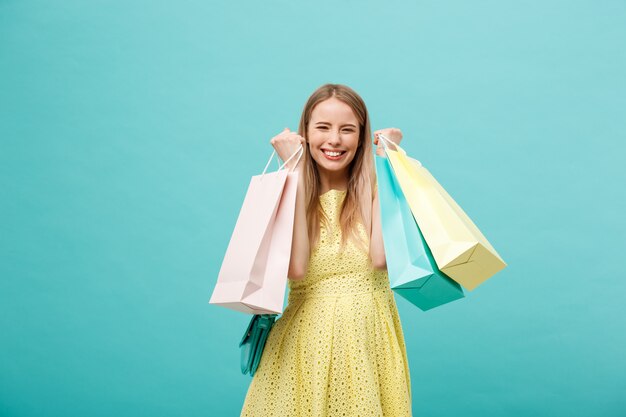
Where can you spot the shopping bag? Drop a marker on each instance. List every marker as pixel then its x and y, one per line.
pixel 253 275
pixel 460 250
pixel 412 271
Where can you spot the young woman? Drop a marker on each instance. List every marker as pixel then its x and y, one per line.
pixel 338 349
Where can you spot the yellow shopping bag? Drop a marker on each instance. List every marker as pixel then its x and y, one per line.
pixel 460 250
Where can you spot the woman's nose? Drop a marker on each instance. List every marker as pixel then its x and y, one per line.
pixel 334 138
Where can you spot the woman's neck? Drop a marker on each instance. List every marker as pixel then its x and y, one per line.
pixel 333 181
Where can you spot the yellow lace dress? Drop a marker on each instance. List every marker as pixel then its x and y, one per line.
pixel 338 348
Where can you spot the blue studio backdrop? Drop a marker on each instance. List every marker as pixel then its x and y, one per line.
pixel 128 134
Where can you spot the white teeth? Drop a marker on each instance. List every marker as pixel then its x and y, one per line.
pixel 329 153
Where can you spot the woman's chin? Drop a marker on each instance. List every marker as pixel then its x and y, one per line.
pixel 331 166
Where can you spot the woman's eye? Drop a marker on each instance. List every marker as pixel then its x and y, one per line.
pixel 343 130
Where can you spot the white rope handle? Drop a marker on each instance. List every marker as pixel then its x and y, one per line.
pixel 269 161
pixel 387 141
pixel 299 152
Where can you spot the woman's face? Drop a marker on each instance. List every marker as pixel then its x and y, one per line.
pixel 333 136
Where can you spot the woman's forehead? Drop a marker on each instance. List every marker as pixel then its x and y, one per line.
pixel 333 111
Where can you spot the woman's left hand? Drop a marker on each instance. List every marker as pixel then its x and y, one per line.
pixel 392 133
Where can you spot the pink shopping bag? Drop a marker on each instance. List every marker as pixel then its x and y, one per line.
pixel 253 275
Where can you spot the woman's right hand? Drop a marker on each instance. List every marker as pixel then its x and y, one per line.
pixel 286 144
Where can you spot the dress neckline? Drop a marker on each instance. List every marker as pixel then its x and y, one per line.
pixel 333 191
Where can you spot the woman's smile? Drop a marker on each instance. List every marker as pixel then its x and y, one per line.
pixel 333 154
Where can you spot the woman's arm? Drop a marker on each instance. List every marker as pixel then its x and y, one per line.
pixel 286 143
pixel 377 247
pixel 300 244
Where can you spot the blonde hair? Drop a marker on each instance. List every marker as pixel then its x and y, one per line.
pixel 357 205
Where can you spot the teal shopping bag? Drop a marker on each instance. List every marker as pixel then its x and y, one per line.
pixel 412 270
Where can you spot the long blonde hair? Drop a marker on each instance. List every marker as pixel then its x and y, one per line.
pixel 357 205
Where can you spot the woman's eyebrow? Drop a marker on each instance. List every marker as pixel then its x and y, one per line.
pixel 326 123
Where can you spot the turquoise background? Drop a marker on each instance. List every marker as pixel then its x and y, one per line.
pixel 128 134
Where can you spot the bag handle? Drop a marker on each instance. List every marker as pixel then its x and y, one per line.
pixel 299 152
pixel 387 141
pixel 398 148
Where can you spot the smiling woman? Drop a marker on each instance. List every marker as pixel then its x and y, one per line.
pixel 338 348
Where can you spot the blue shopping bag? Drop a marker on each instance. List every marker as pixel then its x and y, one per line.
pixel 412 271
